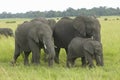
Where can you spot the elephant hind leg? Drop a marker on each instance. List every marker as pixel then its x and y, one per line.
pixel 26 61
pixel 16 54
pixel 57 51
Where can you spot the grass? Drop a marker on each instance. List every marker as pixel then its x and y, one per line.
pixel 110 32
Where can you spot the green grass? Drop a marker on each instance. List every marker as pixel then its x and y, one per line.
pixel 110 32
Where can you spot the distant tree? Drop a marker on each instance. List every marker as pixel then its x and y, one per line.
pixel 100 11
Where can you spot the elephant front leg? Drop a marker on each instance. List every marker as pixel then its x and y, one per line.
pixel 35 52
pixel 90 60
pixel 83 62
pixel 57 50
pixel 26 61
pixel 70 62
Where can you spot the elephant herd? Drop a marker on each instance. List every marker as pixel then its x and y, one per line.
pixel 80 37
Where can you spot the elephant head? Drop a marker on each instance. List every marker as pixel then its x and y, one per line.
pixel 87 27
pixel 40 19
pixel 94 48
pixel 51 23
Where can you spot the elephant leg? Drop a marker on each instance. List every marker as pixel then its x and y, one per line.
pixel 16 54
pixel 83 61
pixel 35 52
pixel 73 62
pixel 57 51
pixel 68 62
pixel 89 58
pixel 26 61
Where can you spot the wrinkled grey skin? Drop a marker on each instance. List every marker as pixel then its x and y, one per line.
pixel 32 37
pixel 52 23
pixel 6 32
pixel 85 48
pixel 66 29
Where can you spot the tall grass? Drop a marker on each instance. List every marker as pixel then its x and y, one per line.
pixel 110 32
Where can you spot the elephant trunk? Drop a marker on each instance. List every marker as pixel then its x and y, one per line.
pixel 99 60
pixel 49 47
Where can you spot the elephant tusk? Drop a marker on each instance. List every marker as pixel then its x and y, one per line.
pixel 45 46
pixel 55 46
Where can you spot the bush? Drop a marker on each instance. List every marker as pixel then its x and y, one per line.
pixel 117 19
pixel 10 21
pixel 105 19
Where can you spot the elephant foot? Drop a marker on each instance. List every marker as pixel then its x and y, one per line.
pixel 13 62
pixel 50 63
pixel 84 64
pixel 26 64
pixel 35 62
pixel 91 66
pixel 56 60
pixel 99 65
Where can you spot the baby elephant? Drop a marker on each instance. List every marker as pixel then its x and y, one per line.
pixel 86 48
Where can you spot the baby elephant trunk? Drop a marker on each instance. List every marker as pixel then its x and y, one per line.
pixel 99 60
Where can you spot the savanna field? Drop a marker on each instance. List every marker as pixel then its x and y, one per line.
pixel 110 33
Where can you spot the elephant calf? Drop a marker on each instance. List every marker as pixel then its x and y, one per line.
pixel 86 48
pixel 6 32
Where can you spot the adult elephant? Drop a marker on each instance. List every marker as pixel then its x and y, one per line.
pixel 66 29
pixel 32 37
pixel 6 32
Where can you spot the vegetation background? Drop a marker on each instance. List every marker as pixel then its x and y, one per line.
pixel 110 32
pixel 96 11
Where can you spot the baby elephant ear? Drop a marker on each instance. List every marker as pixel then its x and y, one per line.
pixel 88 47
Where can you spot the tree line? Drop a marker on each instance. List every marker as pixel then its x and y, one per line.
pixel 100 11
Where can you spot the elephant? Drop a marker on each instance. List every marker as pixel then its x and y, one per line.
pixel 66 29
pixel 32 37
pixel 6 32
pixel 85 48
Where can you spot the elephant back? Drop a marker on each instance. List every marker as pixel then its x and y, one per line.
pixel 41 19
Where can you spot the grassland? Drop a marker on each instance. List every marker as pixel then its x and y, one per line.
pixel 110 32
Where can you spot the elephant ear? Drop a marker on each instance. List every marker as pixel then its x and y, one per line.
pixel 79 25
pixel 33 35
pixel 88 47
pixel 51 23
